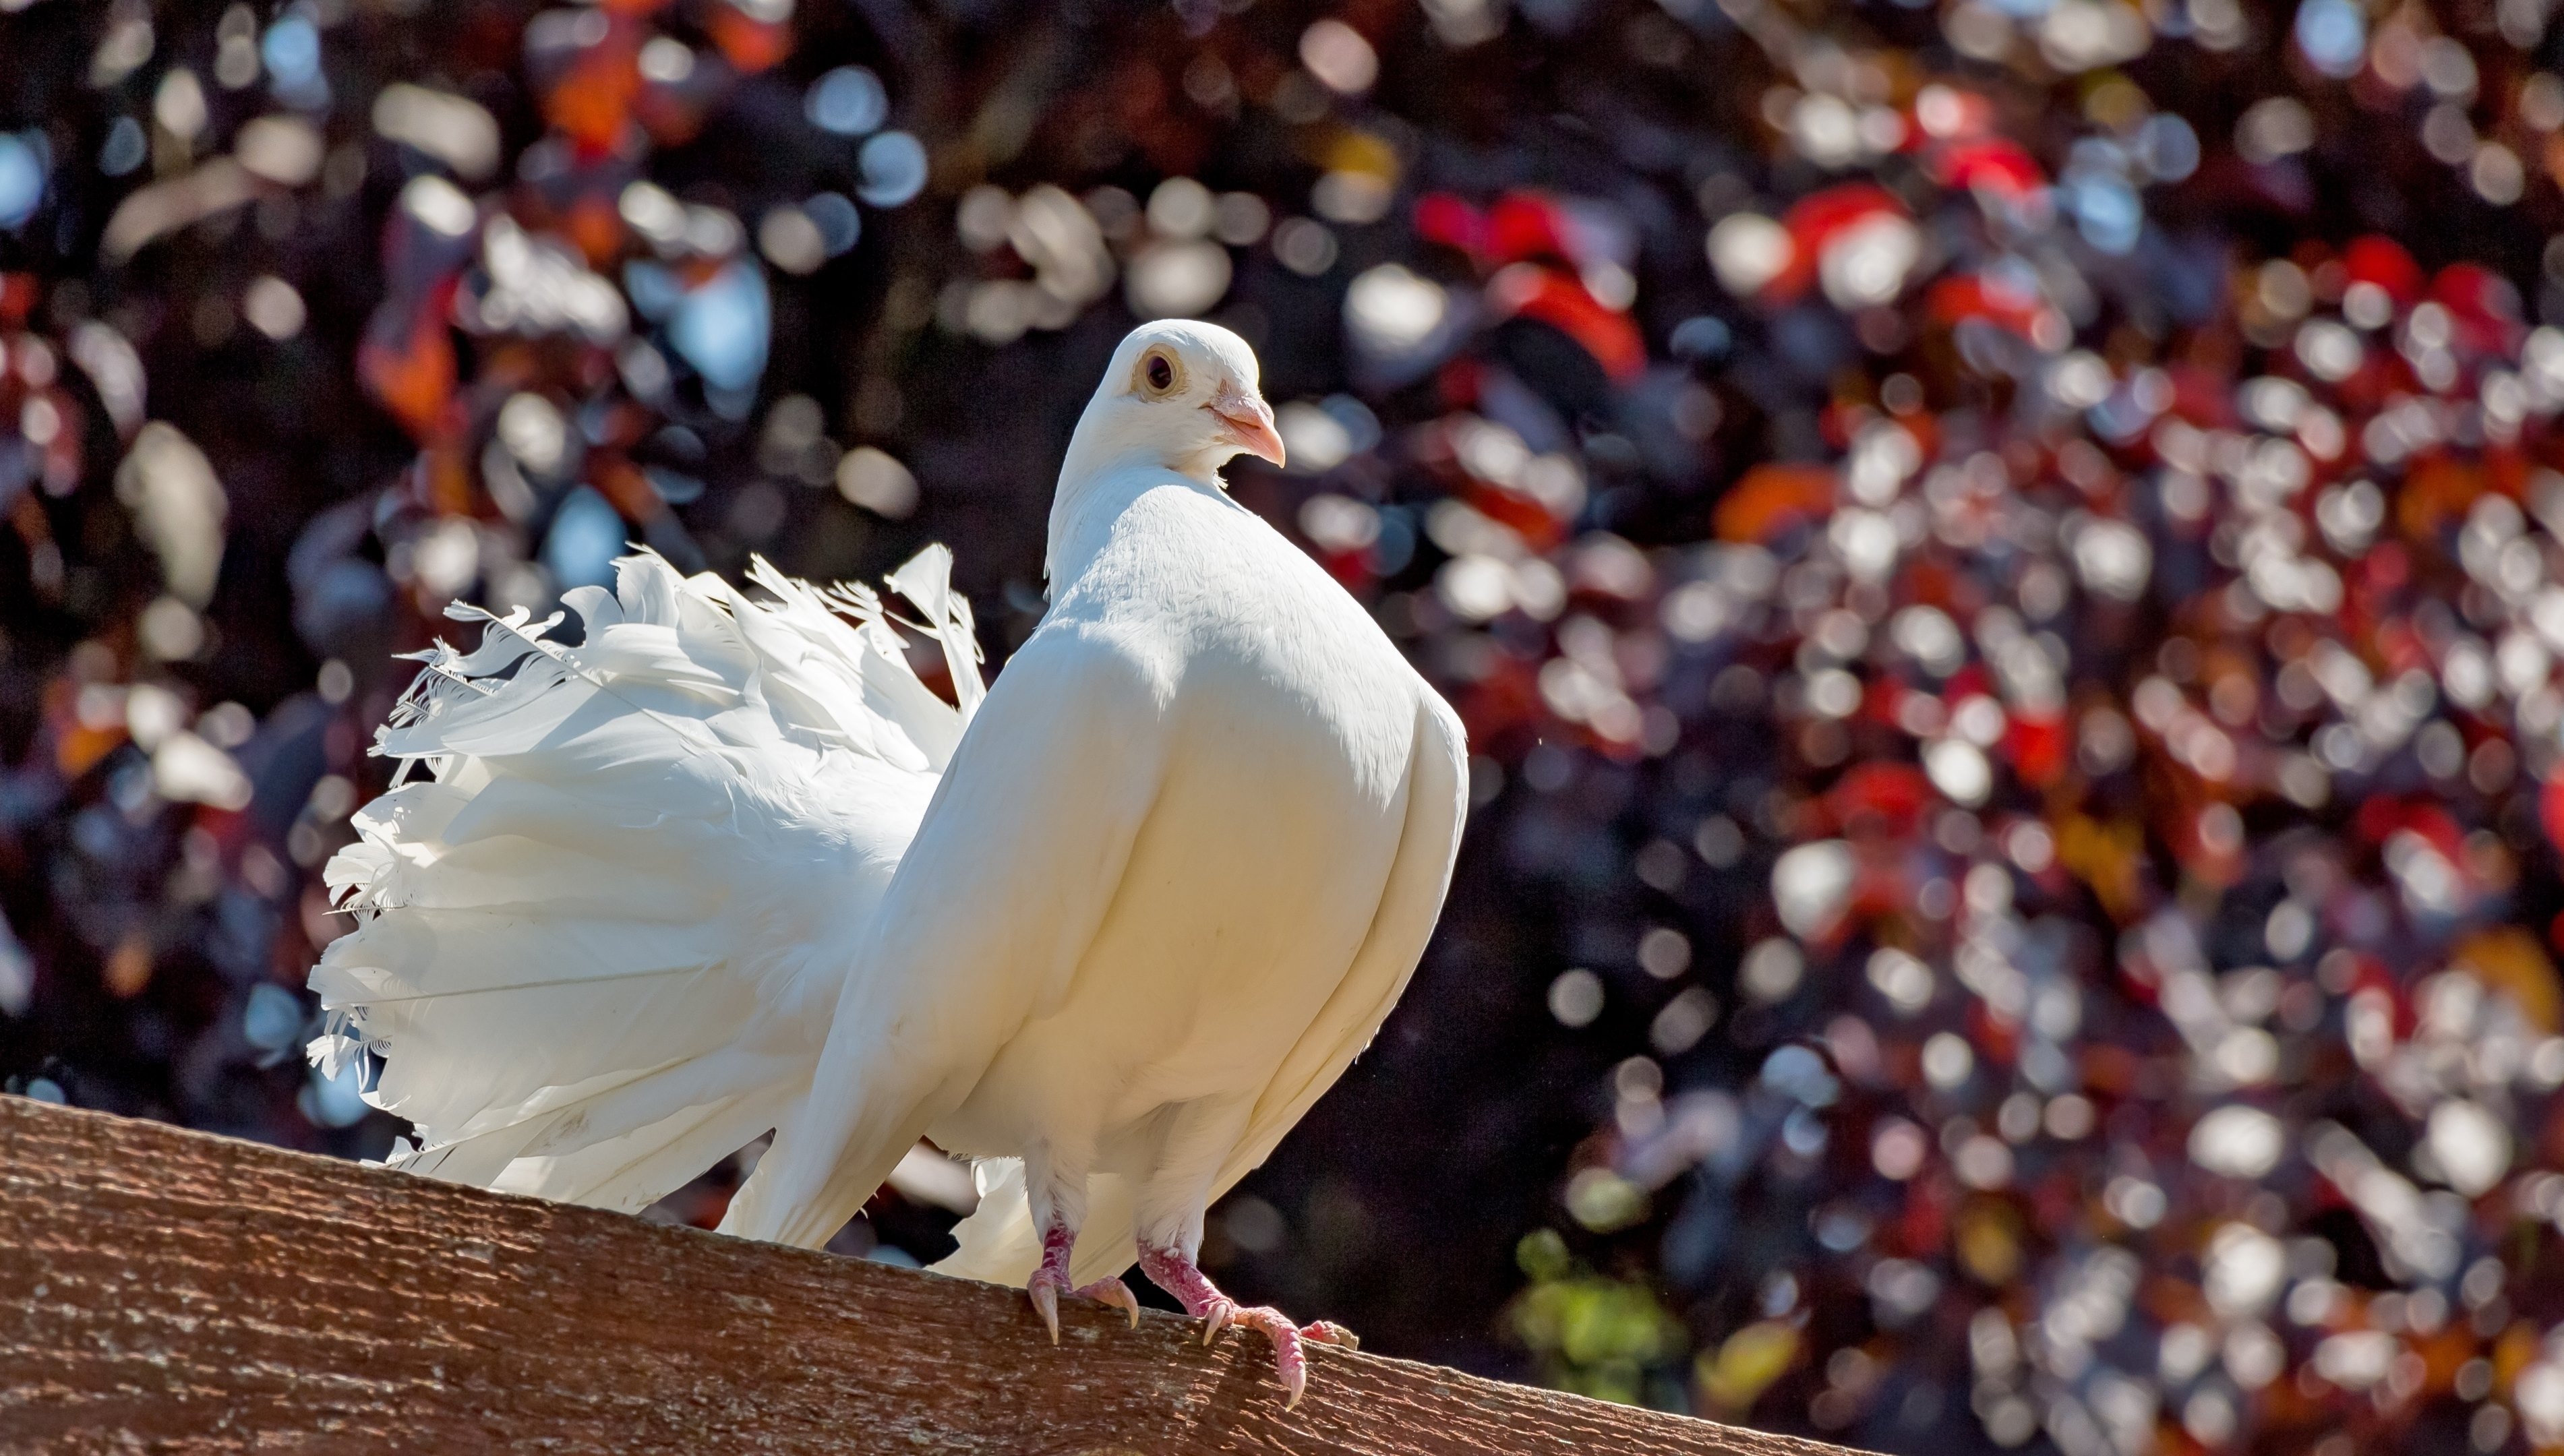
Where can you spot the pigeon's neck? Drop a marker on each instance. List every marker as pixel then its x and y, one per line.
pixel 1084 510
pixel 1095 481
pixel 1097 456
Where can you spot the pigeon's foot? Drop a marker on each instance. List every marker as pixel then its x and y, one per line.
pixel 1048 1285
pixel 1050 1281
pixel 1177 1274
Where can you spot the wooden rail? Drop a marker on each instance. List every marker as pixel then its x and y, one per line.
pixel 170 1291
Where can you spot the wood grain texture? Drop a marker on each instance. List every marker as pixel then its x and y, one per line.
pixel 169 1290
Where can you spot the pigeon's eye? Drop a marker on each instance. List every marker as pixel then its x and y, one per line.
pixel 1158 375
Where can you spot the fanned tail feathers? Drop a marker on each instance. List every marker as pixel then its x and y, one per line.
pixel 606 909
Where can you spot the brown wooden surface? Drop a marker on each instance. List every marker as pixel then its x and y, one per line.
pixel 169 1290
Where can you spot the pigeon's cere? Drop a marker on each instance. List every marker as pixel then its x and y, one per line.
pixel 1110 940
pixel 1246 422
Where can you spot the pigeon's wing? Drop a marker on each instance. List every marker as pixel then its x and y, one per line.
pixel 1437 804
pixel 1011 872
pixel 599 927
pixel 998 1242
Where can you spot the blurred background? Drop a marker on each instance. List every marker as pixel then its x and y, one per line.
pixel 2001 559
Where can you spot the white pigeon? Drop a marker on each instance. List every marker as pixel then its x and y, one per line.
pixel 1170 879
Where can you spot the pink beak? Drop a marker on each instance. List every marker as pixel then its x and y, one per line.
pixel 1247 423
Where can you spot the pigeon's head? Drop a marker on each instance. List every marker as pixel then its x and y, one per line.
pixel 1183 394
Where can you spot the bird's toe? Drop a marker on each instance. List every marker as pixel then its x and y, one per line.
pixel 1290 1360
pixel 1328 1332
pixel 1047 1284
pixel 1115 1293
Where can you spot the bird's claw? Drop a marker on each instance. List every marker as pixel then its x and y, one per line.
pixel 1176 1273
pixel 1328 1332
pixel 1116 1294
pixel 1290 1360
pixel 1046 1286
pixel 1290 1357
pixel 1218 1317
pixel 1045 1297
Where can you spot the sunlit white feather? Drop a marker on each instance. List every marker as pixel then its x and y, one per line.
pixel 602 924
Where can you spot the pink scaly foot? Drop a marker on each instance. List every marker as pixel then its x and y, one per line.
pixel 1175 1272
pixel 1050 1281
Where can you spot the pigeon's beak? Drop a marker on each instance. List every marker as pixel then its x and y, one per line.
pixel 1246 422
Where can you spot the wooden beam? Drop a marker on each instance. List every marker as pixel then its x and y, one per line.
pixel 171 1291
